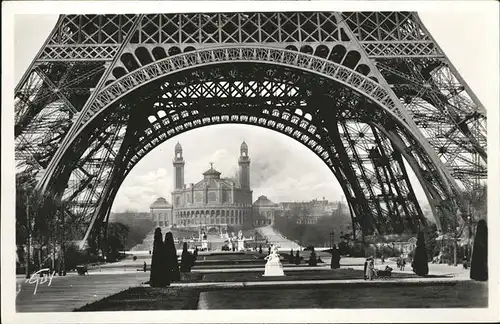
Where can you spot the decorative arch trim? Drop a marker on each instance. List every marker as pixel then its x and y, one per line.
pixel 220 55
pixel 297 60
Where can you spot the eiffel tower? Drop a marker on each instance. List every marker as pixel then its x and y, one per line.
pixel 364 91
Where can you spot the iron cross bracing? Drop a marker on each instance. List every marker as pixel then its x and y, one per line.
pixel 364 91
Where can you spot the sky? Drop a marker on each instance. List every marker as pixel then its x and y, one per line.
pixel 281 168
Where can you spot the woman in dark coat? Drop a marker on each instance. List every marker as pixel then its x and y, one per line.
pixel 364 269
pixel 335 264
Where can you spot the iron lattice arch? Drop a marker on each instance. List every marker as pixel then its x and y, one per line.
pixel 362 90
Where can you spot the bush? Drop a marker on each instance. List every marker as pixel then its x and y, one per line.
pixel 479 263
pixel 158 276
pixel 297 258
pixel 195 256
pixel 313 261
pixel 419 264
pixel 74 256
pixel 186 259
pixel 170 255
pixel 357 250
pixel 344 248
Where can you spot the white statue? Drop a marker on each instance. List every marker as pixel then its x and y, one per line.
pixel 241 241
pixel 273 265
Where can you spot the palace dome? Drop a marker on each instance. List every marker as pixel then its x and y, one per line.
pixel 160 203
pixel 211 173
pixel 263 201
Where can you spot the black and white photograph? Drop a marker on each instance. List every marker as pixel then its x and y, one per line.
pixel 200 158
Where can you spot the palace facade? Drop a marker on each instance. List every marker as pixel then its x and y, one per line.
pixel 218 202
pixel 264 211
pixel 214 201
pixel 161 213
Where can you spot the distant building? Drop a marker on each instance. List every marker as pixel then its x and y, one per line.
pixel 213 202
pixel 161 213
pixel 264 211
pixel 309 212
pixel 129 218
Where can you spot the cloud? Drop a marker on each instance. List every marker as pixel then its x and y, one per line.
pixel 281 168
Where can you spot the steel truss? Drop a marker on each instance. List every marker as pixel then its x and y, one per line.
pixel 364 91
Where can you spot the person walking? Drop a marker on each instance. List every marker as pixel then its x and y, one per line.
pixel 335 262
pixel 144 267
pixel 371 269
pixel 365 276
pixel 402 263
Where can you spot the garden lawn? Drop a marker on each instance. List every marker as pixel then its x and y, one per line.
pixel 327 274
pixel 460 294
pixel 250 276
pixel 147 298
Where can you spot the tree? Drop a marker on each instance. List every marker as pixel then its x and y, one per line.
pixel 430 241
pixel 170 256
pixel 158 276
pixel 479 264
pixel 38 225
pixel 311 234
pixel 114 240
pixel 419 264
pixel 195 256
pixel 139 225
pixel 456 223
pixel 186 259
pixel 312 258
pixel 477 202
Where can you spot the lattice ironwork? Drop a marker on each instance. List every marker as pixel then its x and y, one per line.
pixel 393 92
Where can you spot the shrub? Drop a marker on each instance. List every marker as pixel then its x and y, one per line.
pixel 158 276
pixel 195 256
pixel 479 263
pixel 419 264
pixel 344 248
pixel 313 261
pixel 186 259
pixel 170 255
pixel 73 257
